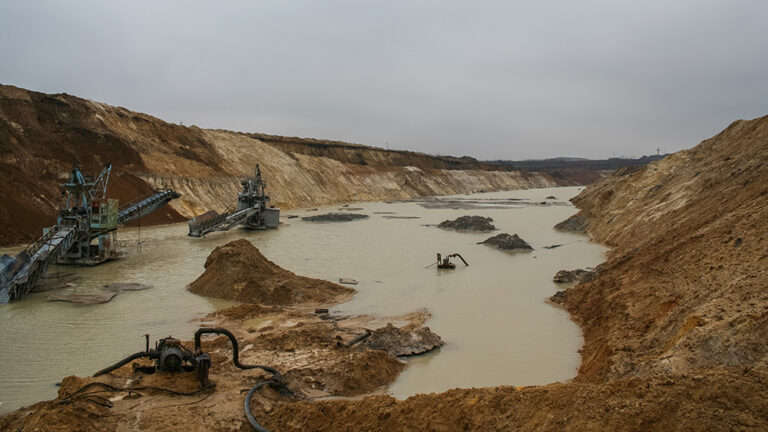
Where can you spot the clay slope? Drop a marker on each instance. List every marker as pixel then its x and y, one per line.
pixel 684 287
pixel 42 135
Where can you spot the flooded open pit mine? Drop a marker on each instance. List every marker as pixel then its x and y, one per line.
pixel 419 313
pixel 491 315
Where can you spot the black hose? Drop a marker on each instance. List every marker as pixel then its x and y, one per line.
pixel 80 393
pixel 462 259
pixel 358 338
pixel 122 362
pixel 277 378
pixel 247 405
pixel 235 350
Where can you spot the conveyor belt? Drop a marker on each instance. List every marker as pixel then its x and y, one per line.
pixel 222 222
pixel 18 275
pixel 145 206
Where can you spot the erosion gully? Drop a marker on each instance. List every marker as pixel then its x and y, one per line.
pixel 493 315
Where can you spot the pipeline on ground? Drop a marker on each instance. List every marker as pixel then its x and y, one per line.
pixel 170 355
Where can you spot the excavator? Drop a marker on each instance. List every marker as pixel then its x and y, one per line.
pixel 445 263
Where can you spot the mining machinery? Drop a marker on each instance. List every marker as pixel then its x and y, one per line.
pixel 445 262
pixel 85 232
pixel 253 211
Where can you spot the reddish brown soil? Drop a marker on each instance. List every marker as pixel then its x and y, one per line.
pixel 41 137
pixel 720 401
pixel 238 271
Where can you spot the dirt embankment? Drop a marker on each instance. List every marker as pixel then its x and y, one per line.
pixel 675 323
pixel 238 271
pixel 684 287
pixel 42 135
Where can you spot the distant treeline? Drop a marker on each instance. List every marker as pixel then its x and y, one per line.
pixel 563 163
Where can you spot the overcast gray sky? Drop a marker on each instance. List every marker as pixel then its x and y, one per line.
pixel 489 79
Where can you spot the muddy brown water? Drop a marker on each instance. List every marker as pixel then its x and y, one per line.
pixel 492 315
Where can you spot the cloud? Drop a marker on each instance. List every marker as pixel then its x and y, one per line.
pixel 486 79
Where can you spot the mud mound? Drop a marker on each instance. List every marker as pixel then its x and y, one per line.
pixel 238 271
pixel 354 374
pixel 399 342
pixel 508 242
pixel 578 276
pixel 304 337
pixel 335 217
pixel 468 223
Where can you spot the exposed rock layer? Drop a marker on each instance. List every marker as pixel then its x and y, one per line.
pixel 675 325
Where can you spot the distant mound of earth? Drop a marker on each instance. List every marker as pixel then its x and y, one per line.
pixel 508 242
pixel 334 217
pixel 238 271
pixel 401 342
pixel 469 223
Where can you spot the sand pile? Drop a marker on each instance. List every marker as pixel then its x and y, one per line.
pixel 238 271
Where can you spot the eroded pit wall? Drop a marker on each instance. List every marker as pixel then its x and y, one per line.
pixel 301 180
pixel 41 135
pixel 312 187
